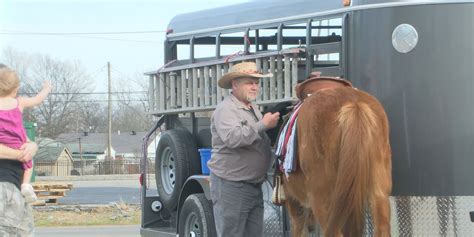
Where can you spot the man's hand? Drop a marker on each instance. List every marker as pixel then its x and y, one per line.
pixel 270 120
pixel 28 150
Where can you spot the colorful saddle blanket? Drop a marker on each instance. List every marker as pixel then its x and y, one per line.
pixel 287 143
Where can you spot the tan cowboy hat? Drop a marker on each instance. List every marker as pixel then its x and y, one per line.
pixel 244 69
pixel 323 82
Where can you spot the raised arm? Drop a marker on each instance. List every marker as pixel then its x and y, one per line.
pixel 27 102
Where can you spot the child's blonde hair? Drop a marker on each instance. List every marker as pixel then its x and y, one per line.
pixel 9 81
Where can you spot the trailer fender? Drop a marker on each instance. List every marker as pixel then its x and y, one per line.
pixel 194 184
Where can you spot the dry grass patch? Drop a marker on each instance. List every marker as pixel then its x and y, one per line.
pixel 117 214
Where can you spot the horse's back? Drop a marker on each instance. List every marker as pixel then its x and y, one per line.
pixel 334 127
pixel 325 104
pixel 319 125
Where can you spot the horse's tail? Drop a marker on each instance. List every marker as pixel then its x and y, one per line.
pixel 357 126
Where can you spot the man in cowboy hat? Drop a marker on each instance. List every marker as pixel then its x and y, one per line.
pixel 241 154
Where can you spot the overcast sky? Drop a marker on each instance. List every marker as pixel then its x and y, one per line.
pixel 23 24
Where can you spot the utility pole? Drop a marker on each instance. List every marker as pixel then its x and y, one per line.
pixel 109 136
pixel 82 159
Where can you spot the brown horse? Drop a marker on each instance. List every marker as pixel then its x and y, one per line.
pixel 344 162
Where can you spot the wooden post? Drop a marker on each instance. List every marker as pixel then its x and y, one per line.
pixel 206 86
pixel 167 91
pixel 183 89
pixel 190 87
pixel 157 91
pixel 151 92
pixel 273 78
pixel 109 135
pixel 218 76
pixel 226 69
pixel 287 77
pixel 172 86
pixel 178 90
pixel 294 77
pixel 195 88
pixel 162 92
pixel 202 93
pixel 279 77
pixel 258 62
pixel 214 88
pixel 266 88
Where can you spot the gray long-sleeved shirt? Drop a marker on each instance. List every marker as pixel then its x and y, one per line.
pixel 240 147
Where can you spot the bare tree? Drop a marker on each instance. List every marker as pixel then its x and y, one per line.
pixel 16 60
pixel 67 108
pixel 131 110
pixel 69 80
pixel 130 118
pixel 57 114
pixel 92 117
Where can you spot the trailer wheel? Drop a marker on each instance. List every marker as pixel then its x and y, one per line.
pixel 196 217
pixel 177 158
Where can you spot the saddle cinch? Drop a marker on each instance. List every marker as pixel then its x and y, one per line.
pixel 314 83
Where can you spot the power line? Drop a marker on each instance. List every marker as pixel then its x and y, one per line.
pixel 80 36
pixel 14 32
pixel 126 77
pixel 97 101
pixel 123 74
pixel 89 93
pixel 97 71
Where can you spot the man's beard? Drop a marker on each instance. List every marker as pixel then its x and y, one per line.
pixel 251 98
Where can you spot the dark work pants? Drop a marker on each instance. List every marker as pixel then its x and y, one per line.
pixel 238 208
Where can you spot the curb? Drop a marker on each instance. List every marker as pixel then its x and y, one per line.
pixel 82 207
pixel 91 177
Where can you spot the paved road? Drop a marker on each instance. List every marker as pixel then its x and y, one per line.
pixel 99 192
pixel 89 231
pixel 103 192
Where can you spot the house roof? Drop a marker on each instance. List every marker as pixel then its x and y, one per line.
pixel 48 153
pixel 45 141
pixel 87 148
pixel 123 142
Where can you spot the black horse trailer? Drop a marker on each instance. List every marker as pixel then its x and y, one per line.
pixel 416 57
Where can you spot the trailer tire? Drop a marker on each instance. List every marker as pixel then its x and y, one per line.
pixel 196 217
pixel 177 158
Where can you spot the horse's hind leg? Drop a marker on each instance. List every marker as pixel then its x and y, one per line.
pixel 379 197
pixel 380 207
pixel 320 214
pixel 297 217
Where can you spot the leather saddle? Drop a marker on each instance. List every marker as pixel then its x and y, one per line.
pixel 316 82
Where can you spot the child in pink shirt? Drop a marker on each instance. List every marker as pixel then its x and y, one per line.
pixel 12 132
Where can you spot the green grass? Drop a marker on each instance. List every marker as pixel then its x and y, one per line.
pixel 121 214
